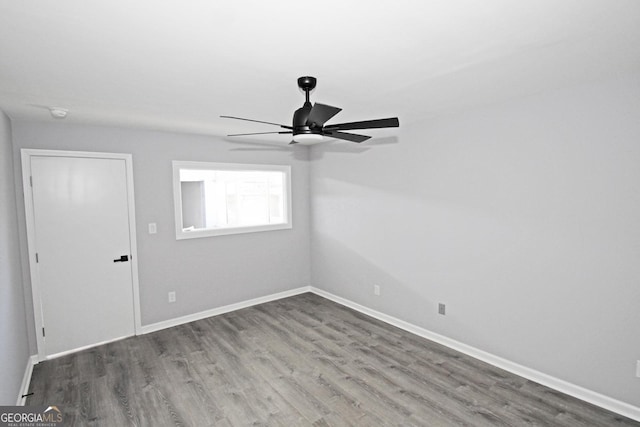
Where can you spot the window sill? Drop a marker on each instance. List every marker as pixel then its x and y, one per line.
pixel 211 232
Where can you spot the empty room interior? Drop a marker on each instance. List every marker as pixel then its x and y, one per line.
pixel 343 213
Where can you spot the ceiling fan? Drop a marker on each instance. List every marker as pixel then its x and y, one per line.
pixel 309 121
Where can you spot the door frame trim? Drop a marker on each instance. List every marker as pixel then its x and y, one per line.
pixel 27 154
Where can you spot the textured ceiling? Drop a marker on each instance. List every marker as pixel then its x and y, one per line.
pixel 178 65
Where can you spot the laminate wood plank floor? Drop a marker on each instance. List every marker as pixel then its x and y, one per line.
pixel 299 361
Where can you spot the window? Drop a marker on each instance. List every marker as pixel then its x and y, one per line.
pixel 213 199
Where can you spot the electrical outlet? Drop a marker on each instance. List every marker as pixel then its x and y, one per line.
pixel 442 309
pixel 172 296
pixel 376 290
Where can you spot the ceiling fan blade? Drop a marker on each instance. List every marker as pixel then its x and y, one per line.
pixel 259 133
pixel 257 121
pixel 353 137
pixel 321 113
pixel 366 124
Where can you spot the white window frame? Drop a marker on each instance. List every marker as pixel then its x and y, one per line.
pixel 209 232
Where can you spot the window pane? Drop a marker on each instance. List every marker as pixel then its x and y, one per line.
pixel 193 207
pixel 223 197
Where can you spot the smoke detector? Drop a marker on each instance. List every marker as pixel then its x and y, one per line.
pixel 58 113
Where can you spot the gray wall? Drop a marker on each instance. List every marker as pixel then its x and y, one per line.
pixel 523 217
pixel 14 351
pixel 205 273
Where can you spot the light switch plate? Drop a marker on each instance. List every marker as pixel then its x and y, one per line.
pixel 153 228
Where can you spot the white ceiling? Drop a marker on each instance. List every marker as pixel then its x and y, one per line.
pixel 178 65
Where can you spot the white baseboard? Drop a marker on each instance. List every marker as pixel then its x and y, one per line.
pixel 221 310
pixel 85 347
pixel 581 393
pixel 26 380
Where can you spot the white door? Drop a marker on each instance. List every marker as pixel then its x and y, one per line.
pixel 81 233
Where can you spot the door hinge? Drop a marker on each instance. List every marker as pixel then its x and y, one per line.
pixel 37 260
pixel 31 181
pixel 43 335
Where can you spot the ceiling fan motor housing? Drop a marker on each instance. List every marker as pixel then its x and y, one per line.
pixel 300 125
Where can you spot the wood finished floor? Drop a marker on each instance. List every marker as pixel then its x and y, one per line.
pixel 299 361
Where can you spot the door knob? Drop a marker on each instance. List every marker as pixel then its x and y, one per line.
pixel 123 258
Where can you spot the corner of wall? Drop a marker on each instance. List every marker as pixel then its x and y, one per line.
pixel 14 332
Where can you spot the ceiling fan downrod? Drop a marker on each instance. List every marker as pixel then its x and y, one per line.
pixel 307 84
